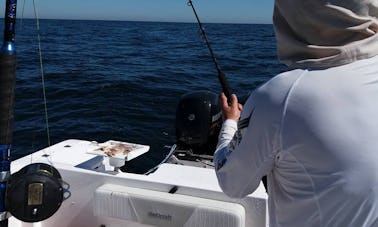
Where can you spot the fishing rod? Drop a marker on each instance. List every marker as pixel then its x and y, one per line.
pixel 35 192
pixel 221 76
pixel 7 86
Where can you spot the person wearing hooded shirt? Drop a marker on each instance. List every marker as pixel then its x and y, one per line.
pixel 313 130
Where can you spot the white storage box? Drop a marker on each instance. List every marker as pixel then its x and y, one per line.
pixel 163 209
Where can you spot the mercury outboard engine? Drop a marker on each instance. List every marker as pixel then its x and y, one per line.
pixel 198 122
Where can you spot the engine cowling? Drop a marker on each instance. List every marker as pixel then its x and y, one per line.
pixel 198 122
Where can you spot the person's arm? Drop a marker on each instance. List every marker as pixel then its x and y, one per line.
pixel 239 169
pixel 230 114
pixel 247 150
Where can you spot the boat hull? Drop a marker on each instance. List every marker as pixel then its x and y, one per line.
pixel 170 196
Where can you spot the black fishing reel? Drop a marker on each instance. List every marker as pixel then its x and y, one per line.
pixel 35 192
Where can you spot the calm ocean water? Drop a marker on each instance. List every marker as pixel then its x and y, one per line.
pixel 123 80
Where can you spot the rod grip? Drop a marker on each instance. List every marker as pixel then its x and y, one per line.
pixel 7 86
pixel 4 223
pixel 225 85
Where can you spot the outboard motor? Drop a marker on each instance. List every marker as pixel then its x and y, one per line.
pixel 198 122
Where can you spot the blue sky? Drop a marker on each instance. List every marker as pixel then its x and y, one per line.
pixel 226 11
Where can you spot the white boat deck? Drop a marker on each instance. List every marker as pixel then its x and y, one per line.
pixel 89 175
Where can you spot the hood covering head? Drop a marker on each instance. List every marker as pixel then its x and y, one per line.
pixel 321 34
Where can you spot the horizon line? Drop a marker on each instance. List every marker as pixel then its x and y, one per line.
pixel 148 21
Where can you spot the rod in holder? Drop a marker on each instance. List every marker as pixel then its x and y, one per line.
pixel 7 85
pixel 9 27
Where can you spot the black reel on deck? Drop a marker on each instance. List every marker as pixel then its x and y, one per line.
pixel 35 192
pixel 198 122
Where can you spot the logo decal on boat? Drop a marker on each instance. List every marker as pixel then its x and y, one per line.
pixel 165 217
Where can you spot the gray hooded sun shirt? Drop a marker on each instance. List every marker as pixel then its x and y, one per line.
pixel 312 130
pixel 313 33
